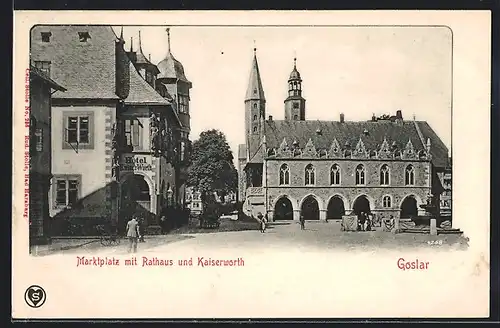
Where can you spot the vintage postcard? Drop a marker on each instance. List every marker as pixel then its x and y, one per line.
pixel 251 164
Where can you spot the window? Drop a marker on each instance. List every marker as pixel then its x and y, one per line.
pixel 133 131
pixel 284 175
pixel 83 36
pixel 183 104
pixel 43 66
pixel 66 190
pixel 255 106
pixel 183 150
pixel 309 175
pixel 295 105
pixel 78 130
pixel 410 175
pixel 296 117
pixel 38 139
pixel 384 175
pixel 149 77
pixel 360 175
pixel 46 36
pixel 335 175
pixel 254 129
pixel 387 202
pixel 255 117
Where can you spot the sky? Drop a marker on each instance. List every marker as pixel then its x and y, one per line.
pixel 357 71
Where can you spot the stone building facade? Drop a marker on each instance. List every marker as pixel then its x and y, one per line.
pixel 119 141
pixel 326 169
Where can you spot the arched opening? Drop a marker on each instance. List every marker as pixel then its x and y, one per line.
pixel 409 208
pixel 335 209
pixel 283 209
pixel 310 208
pixel 135 197
pixel 361 204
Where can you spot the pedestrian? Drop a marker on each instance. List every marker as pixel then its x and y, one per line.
pixel 362 220
pixel 302 222
pixel 262 222
pixel 368 223
pixel 132 234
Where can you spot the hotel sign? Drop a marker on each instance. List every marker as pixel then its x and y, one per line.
pixel 136 163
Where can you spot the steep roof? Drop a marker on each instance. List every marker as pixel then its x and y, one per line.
pixel 255 91
pixel 141 93
pixel 439 150
pixel 141 60
pixel 36 73
pixel 322 134
pixel 171 68
pixel 86 69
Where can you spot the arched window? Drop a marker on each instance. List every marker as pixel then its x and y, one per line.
pixel 284 175
pixel 335 175
pixel 410 175
pixel 255 117
pixel 384 175
pixel 360 174
pixel 254 129
pixel 296 117
pixel 387 201
pixel 255 106
pixel 309 175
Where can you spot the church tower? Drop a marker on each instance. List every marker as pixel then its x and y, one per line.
pixel 295 104
pixel 255 102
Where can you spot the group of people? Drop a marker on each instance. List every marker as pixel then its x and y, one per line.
pixel 263 221
pixel 365 221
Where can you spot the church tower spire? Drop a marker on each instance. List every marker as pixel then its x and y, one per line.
pixel 255 101
pixel 254 89
pixel 295 104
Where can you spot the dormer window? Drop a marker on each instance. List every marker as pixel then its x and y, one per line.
pixel 43 66
pixel 46 36
pixel 83 36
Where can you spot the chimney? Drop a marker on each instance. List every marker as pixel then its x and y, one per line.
pixel 399 115
pixel 270 117
pixel 342 118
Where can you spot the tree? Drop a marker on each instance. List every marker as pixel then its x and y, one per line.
pixel 212 169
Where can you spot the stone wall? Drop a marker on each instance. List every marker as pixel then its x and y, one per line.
pixel 322 191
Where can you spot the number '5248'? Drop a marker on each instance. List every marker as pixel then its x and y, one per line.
pixel 435 242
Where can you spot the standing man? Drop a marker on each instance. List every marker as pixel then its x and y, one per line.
pixel 262 222
pixel 302 222
pixel 132 234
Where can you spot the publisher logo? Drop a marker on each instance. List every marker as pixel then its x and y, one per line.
pixel 35 296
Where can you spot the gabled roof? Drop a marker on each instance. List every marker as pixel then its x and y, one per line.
pixel 141 93
pixel 439 150
pixel 86 69
pixel 322 134
pixel 36 73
